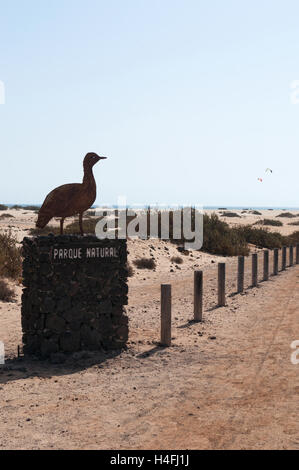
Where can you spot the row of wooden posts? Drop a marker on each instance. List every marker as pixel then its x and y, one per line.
pixel 198 286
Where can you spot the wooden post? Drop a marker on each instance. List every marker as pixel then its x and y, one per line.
pixel 241 263
pixel 291 255
pixel 275 262
pixel 221 284
pixel 266 265
pixel 284 258
pixel 254 270
pixel 198 295
pixel 297 253
pixel 166 314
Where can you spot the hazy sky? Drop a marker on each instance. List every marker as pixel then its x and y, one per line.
pixel 189 99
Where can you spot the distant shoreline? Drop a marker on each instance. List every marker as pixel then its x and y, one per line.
pixel 220 207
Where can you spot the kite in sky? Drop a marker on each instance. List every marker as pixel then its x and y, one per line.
pixel 268 170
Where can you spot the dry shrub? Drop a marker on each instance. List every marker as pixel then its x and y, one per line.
pixel 177 260
pixel 145 263
pixel 89 226
pixel 6 293
pixel 44 231
pixel 288 215
pixel 32 208
pixel 230 214
pixel 10 257
pixel 6 216
pixel 130 270
pixel 270 222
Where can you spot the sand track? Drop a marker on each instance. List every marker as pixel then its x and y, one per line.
pixel 237 391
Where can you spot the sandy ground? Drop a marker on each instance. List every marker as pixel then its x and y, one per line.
pixel 249 218
pixel 226 383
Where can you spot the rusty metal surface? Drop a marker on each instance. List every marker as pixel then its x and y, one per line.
pixel 71 199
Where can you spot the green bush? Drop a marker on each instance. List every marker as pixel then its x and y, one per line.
pixel 3 207
pixel 220 239
pixel 261 237
pixel 293 239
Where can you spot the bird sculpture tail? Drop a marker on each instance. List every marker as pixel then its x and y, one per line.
pixel 43 220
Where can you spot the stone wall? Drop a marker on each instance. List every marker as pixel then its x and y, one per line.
pixel 75 289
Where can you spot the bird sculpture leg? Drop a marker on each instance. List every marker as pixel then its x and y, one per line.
pixel 61 226
pixel 81 223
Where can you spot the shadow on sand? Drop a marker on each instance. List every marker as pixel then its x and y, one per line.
pixel 29 367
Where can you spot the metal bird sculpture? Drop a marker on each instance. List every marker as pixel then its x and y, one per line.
pixel 71 199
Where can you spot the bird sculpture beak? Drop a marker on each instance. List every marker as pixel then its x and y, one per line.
pixel 102 158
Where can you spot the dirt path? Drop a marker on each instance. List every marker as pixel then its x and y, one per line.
pixel 248 396
pixel 225 383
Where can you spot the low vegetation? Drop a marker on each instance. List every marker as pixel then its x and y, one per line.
pixel 6 293
pixel 293 239
pixel 270 222
pixel 296 223
pixel 230 214
pixel 221 239
pixel 44 231
pixel 6 216
pixel 10 257
pixel 89 225
pixel 177 260
pixel 261 237
pixel 31 208
pixel 145 263
pixel 3 207
pixel 287 215
pixel 130 270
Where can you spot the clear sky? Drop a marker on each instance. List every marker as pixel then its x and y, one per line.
pixel 189 99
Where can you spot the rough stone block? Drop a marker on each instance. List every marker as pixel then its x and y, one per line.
pixel 73 302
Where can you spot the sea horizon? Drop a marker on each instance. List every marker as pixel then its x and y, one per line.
pixel 144 206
